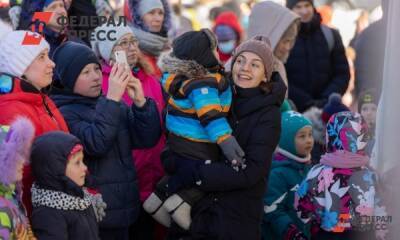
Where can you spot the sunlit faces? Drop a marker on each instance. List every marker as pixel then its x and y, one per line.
pixel 304 141
pixel 154 20
pixel 130 45
pixel 58 9
pixel 286 43
pixel 368 112
pixel 40 71
pixel 248 70
pixel 89 81
pixel 76 169
pixel 305 10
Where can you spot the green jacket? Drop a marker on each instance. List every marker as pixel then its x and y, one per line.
pixel 285 176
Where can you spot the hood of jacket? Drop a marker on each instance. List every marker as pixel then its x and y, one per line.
pixel 49 160
pixel 253 99
pixel 138 22
pixel 279 18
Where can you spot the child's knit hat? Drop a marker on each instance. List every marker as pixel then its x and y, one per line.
pixel 346 131
pixel 15 145
pixel 197 46
pixel 333 106
pixel 368 96
pixel 291 123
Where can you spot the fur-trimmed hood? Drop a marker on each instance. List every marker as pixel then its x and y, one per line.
pixel 15 145
pixel 189 68
pixel 314 115
pixel 138 22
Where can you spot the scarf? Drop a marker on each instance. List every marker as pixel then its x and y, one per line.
pixel 294 157
pixel 59 200
pixel 149 42
pixel 344 159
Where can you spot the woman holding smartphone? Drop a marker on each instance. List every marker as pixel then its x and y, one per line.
pixel 147 161
pixel 107 128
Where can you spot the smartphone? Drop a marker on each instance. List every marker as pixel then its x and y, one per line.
pixel 120 57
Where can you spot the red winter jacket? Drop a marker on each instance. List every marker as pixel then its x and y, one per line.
pixel 25 100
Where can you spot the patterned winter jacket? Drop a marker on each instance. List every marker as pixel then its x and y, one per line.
pixel 13 221
pixel 198 104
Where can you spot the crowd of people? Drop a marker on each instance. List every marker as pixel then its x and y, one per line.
pixel 231 132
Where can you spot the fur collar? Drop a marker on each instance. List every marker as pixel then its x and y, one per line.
pixel 59 200
pixel 188 68
pixel 314 115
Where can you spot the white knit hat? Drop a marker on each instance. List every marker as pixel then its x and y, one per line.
pixel 15 57
pixel 104 47
pixel 148 5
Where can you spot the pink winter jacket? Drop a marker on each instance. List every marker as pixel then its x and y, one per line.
pixel 147 161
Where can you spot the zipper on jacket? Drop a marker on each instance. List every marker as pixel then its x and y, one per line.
pixel 49 111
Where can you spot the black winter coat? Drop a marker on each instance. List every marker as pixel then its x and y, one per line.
pixel 109 131
pixel 313 71
pixel 233 209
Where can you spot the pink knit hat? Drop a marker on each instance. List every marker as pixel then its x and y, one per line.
pixel 261 46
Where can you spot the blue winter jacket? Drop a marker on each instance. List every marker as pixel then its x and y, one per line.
pixel 109 131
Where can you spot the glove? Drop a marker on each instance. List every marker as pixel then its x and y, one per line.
pixel 233 152
pixel 186 175
pixel 293 233
pixel 99 206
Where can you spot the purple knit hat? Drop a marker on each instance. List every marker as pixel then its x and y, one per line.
pixel 15 145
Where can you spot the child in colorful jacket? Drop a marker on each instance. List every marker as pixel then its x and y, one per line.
pixel 15 144
pixel 199 100
pixel 290 165
pixel 340 196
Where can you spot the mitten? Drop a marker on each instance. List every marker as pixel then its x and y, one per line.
pixel 99 206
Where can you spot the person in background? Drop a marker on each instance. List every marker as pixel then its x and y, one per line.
pixel 26 70
pixel 147 161
pixel 282 29
pixel 290 165
pixel 367 107
pixel 107 128
pixel 340 194
pixel 62 207
pixel 229 34
pixel 54 32
pixel 15 146
pixel 151 22
pixel 317 65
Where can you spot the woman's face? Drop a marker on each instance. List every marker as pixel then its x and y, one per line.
pixel 154 20
pixel 248 70
pixel 40 72
pixel 89 81
pixel 58 9
pixel 76 169
pixel 130 45
pixel 368 112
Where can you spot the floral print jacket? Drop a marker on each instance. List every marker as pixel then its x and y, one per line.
pixel 339 199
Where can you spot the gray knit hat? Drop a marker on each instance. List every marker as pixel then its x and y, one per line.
pixel 261 46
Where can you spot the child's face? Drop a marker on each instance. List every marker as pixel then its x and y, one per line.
pixel 368 112
pixel 76 169
pixel 304 141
